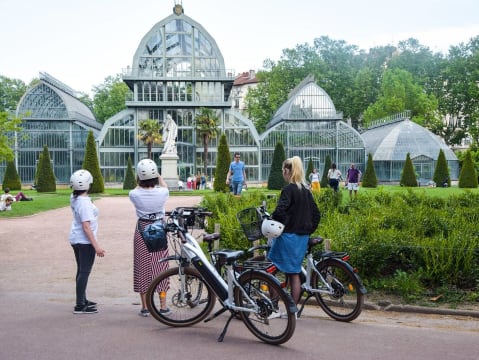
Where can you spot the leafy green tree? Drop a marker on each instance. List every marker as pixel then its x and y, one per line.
pixel 11 91
pixel 468 175
pixel 7 127
pixel 46 178
pixel 149 132
pixel 309 169
pixel 441 172
pixel 369 179
pixel 91 163
pixel 222 166
pixel 399 92
pixel 408 176
pixel 109 97
pixel 11 179
pixel 130 181
pixel 275 179
pixel 324 177
pixel 207 127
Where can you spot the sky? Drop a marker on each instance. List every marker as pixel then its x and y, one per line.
pixel 82 42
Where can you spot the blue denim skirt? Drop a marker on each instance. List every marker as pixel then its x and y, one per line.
pixel 287 252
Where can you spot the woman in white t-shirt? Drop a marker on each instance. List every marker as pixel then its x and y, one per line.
pixel 334 175
pixel 315 181
pixel 83 237
pixel 149 198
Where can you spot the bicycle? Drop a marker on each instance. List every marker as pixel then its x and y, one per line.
pixel 194 284
pixel 326 275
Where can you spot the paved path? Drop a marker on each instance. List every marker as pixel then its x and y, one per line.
pixel 37 294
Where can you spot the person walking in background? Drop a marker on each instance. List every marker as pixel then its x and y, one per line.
pixel 83 238
pixel 353 177
pixel 315 181
pixel 19 197
pixel 236 176
pixel 149 199
pixel 298 212
pixel 334 176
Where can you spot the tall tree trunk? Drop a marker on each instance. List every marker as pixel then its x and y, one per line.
pixel 205 147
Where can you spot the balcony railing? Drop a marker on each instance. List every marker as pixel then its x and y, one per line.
pixel 151 73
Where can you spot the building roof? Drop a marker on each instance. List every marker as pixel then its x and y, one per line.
pixel 392 141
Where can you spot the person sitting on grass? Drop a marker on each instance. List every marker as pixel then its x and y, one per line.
pixel 6 203
pixel 19 197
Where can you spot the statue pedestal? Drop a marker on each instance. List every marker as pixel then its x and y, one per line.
pixel 169 169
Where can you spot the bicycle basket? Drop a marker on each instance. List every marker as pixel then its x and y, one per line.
pixel 250 221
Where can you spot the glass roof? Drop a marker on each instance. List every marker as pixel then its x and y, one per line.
pixel 392 142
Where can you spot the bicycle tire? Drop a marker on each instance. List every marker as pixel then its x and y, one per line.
pixel 186 307
pixel 275 321
pixel 345 303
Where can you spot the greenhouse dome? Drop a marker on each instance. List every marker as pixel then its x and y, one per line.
pixel 390 142
pixel 53 116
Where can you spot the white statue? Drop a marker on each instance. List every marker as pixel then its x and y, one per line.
pixel 170 133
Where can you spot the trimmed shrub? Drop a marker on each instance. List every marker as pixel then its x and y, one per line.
pixel 91 163
pixel 468 175
pixel 370 179
pixel 441 173
pixel 275 179
pixel 408 176
pixel 130 181
pixel 324 178
pixel 46 178
pixel 222 166
pixel 309 170
pixel 11 179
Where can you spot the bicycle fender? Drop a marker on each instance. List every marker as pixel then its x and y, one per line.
pixel 350 268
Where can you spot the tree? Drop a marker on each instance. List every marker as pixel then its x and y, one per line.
pixel 275 179
pixel 109 97
pixel 222 166
pixel 370 179
pixel 46 178
pixel 441 172
pixel 11 179
pixel 11 91
pixel 206 125
pixel 7 127
pixel 149 132
pixel 130 181
pixel 468 175
pixel 91 163
pixel 408 176
pixel 324 177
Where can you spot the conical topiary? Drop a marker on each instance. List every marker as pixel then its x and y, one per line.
pixel 408 176
pixel 309 170
pixel 369 179
pixel 324 177
pixel 441 172
pixel 11 179
pixel 222 166
pixel 130 181
pixel 275 179
pixel 46 178
pixel 468 175
pixel 90 163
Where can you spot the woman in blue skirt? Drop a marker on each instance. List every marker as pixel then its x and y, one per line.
pixel 297 210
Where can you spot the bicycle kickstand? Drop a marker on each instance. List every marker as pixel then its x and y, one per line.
pixel 300 311
pixel 223 333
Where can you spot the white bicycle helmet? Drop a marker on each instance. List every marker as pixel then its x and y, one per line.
pixel 81 180
pixel 147 169
pixel 271 229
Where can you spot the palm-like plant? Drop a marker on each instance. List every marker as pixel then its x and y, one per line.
pixel 149 132
pixel 206 125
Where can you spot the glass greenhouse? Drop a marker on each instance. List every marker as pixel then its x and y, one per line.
pixel 390 142
pixel 178 69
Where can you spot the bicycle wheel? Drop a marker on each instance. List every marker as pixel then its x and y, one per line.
pixel 188 298
pixel 275 321
pixel 344 301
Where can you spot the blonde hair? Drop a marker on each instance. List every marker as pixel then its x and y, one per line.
pixel 295 167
